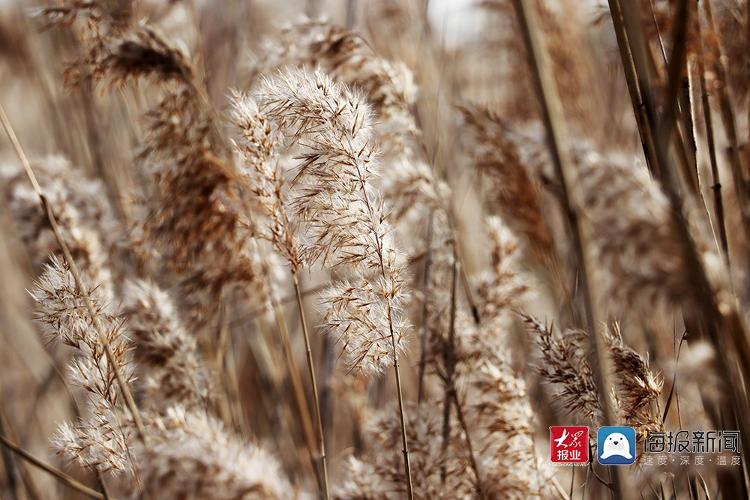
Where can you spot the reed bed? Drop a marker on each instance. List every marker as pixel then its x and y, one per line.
pixel 371 250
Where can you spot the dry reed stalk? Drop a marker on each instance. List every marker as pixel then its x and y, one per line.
pixel 718 310
pixel 554 125
pixel 314 384
pixel 426 274
pixel 299 394
pixel 25 487
pixel 717 56
pixel 225 364
pixel 684 138
pixel 59 475
pixel 711 145
pixel 549 102
pixel 451 394
pixel 80 285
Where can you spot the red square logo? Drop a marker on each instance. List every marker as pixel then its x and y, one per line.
pixel 569 444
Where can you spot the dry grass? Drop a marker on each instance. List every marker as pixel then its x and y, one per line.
pixel 251 254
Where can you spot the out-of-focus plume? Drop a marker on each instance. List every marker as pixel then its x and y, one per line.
pixel 170 364
pixel 84 215
pixel 192 456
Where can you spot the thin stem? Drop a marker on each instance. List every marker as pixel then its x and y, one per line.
pixel 451 394
pixel 676 69
pixel 299 394
pixel 23 487
pixel 717 321
pixel 61 476
pixel 396 369
pixel 48 379
pixel 314 383
pixel 469 445
pixel 711 144
pixel 450 365
pixel 730 128
pixel 425 284
pixel 684 127
pixel 404 442
pixel 226 367
pixel 102 337
pixel 551 108
pixel 723 321
pixel 631 77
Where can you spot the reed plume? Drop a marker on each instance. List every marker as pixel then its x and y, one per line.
pixel 194 198
pixel 437 473
pixel 634 237
pixel 171 366
pixel 85 217
pixel 101 440
pixel 345 221
pixel 193 457
pixel 261 175
pixel 638 389
pixel 564 364
pixel 512 163
pixel 389 89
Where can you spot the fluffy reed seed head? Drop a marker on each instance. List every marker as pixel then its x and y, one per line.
pixel 101 438
pixel 379 472
pixel 388 86
pixel 638 389
pixel 259 170
pixel 633 236
pixel 340 210
pixel 193 223
pixel 191 456
pixel 564 364
pixel 84 216
pixel 170 363
pixel 504 286
pixel 505 158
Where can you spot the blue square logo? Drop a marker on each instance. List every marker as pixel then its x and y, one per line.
pixel 615 445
